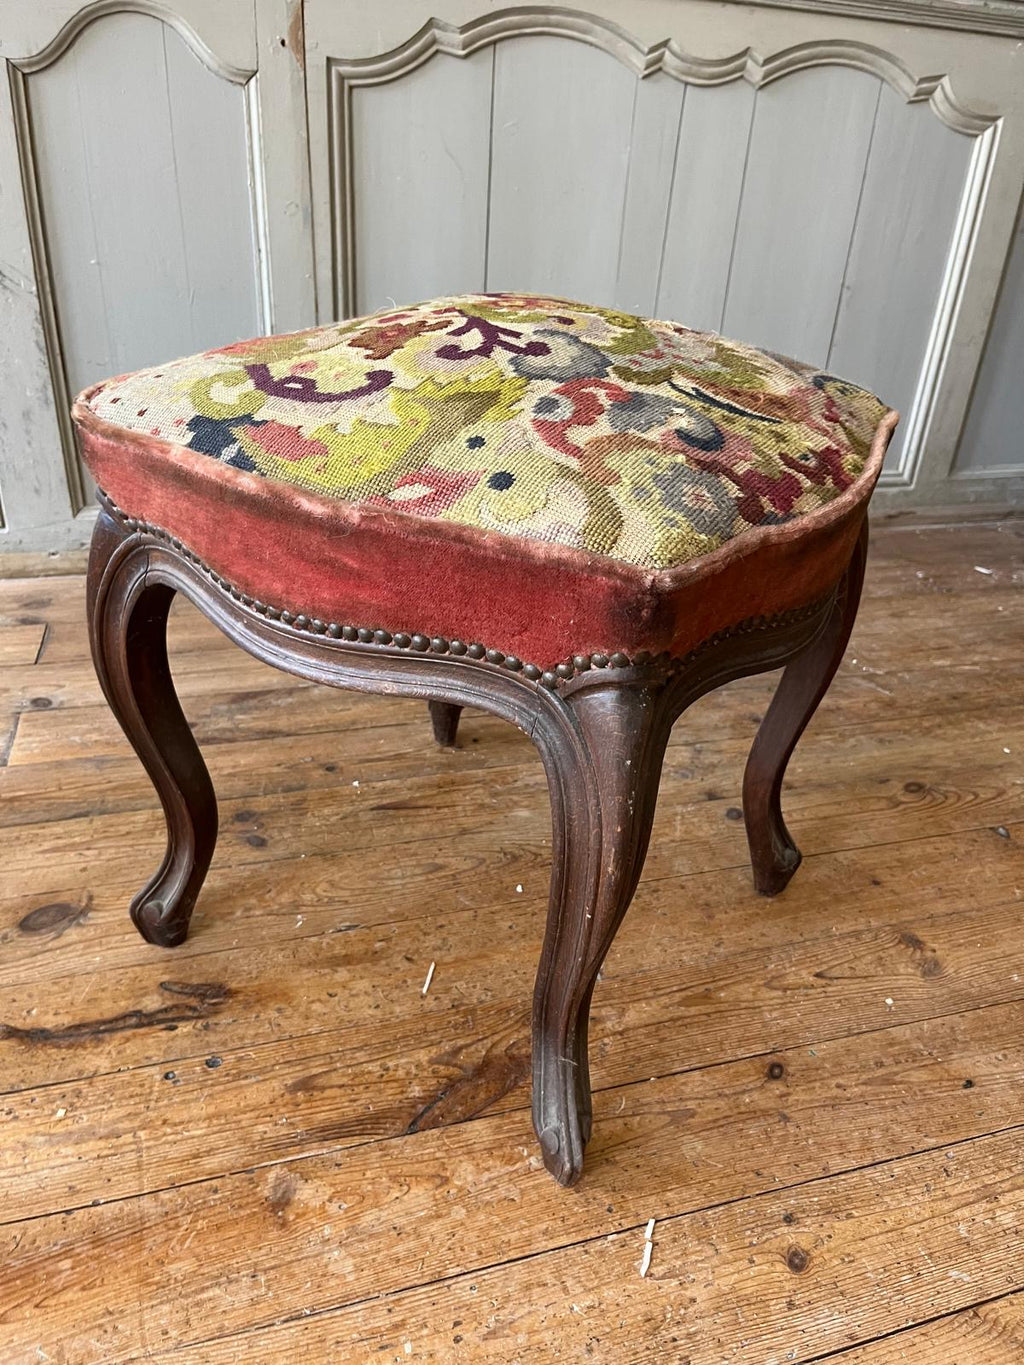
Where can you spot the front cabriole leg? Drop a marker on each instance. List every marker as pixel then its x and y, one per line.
pixel 127 631
pixel 604 765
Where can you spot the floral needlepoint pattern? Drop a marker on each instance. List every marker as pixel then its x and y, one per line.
pixel 530 416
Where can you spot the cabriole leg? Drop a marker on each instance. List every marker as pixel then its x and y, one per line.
pixel 603 777
pixel 127 629
pixel 774 856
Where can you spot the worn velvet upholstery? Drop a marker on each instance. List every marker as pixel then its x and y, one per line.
pixel 688 483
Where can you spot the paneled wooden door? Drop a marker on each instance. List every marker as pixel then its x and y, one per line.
pixel 831 188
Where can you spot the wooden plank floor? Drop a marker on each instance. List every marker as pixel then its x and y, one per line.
pixel 268 1146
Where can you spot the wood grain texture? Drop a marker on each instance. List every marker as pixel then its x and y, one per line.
pixel 20 644
pixel 600 727
pixel 990 1334
pixel 830 1146
pixel 880 810
pixel 758 1279
pixel 419 1068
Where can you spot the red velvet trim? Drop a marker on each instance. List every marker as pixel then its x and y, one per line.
pixel 363 565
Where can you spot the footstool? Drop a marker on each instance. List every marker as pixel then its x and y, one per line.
pixel 573 518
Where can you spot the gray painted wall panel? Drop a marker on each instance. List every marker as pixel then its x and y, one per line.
pixel 421 147
pixel 915 176
pixel 813 216
pixel 208 139
pixel 993 437
pixel 652 161
pixel 145 199
pixel 707 188
pixel 560 151
pixel 808 149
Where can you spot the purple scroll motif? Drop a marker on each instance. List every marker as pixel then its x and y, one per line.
pixel 494 338
pixel 303 389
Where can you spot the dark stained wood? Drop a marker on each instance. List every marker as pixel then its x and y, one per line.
pixel 423 1071
pixel 601 725
pixel 774 857
pixel 323 992
pixel 251 701
pixel 445 719
pixel 128 629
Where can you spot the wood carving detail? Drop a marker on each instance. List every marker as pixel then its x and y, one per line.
pixel 99 9
pixel 439 36
pixel 419 643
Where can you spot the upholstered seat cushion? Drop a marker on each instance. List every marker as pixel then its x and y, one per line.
pixel 470 465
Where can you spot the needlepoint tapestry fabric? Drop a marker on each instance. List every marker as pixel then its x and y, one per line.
pixel 533 417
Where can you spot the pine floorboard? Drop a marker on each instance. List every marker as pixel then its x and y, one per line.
pixel 267 1145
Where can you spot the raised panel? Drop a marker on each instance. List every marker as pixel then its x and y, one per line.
pixel 993 440
pixel 915 178
pixel 560 133
pixel 142 166
pixel 805 166
pixel 420 149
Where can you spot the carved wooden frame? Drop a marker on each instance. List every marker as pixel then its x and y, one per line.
pixel 601 725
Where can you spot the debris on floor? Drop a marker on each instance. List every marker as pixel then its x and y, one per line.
pixel 645 1264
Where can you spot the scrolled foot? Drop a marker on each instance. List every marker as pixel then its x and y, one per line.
pixel 561 1119
pixel 159 923
pixel 563 1158
pixel 772 876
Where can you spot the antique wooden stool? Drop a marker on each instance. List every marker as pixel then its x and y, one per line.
pixel 576 519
